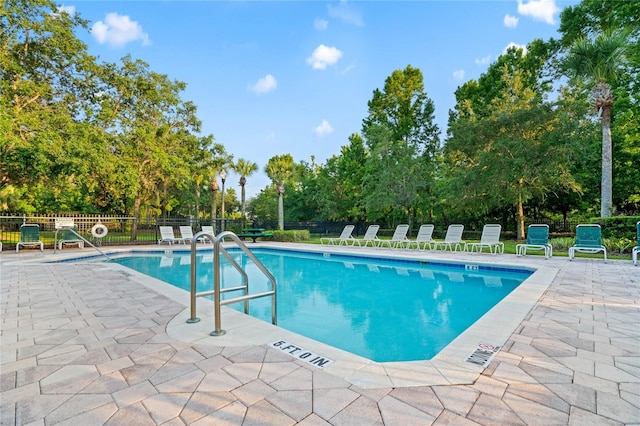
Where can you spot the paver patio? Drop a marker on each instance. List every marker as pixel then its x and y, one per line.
pixel 87 344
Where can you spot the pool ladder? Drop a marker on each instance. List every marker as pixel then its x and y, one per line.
pixel 217 291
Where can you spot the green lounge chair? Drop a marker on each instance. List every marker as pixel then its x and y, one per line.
pixel 29 237
pixel 636 249
pixel 68 237
pixel 588 240
pixel 537 239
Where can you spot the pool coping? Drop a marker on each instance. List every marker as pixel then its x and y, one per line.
pixel 448 367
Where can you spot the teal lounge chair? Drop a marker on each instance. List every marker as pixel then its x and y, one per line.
pixel 67 237
pixel 636 249
pixel 29 237
pixel 588 240
pixel 537 239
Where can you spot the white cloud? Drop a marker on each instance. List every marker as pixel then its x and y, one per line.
pixel 540 10
pixel 323 56
pixel 320 24
pixel 483 61
pixel 510 21
pixel 264 85
pixel 118 30
pixel 517 46
pixel 458 75
pixel 323 129
pixel 346 13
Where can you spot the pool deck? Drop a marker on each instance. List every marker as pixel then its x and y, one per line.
pixel 92 344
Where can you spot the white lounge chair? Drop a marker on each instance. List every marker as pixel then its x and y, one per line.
pixel 167 236
pixel 453 239
pixel 537 239
pixel 490 239
pixel 588 240
pixel 424 238
pixel 186 233
pixel 371 236
pixel 209 230
pixel 345 237
pixel 399 238
pixel 30 237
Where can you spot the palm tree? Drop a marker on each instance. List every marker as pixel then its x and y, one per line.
pixel 245 168
pixel 600 62
pixel 280 168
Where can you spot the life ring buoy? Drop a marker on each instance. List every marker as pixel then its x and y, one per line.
pixel 99 230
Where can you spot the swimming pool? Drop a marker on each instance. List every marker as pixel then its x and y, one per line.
pixel 381 309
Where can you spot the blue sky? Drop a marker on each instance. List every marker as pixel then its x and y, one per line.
pixel 295 77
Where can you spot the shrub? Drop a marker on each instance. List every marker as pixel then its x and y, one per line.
pixel 617 227
pixel 561 243
pixel 291 236
pixel 622 245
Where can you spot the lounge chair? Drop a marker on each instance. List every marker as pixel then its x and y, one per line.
pixel 371 236
pixel 68 237
pixel 537 239
pixel 186 233
pixel 345 237
pixel 453 239
pixel 208 230
pixel 166 236
pixel 29 237
pixel 636 249
pixel 399 238
pixel 423 239
pixel 490 238
pixel 588 240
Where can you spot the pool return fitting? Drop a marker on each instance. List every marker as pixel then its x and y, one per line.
pixel 217 290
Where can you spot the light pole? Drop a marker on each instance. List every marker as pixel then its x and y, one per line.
pixel 223 177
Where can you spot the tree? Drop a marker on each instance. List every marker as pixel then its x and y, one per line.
pixel 506 158
pixel 44 74
pixel 601 61
pixel 153 133
pixel 279 169
pixel 245 168
pixel 403 143
pixel 340 183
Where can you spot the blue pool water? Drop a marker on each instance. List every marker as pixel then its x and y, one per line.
pixel 383 310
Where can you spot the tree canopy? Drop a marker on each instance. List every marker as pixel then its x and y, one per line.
pixel 87 136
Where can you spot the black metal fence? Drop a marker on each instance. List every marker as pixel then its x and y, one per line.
pixel 125 230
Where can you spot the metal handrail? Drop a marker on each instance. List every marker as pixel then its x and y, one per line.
pixel 217 291
pixel 55 240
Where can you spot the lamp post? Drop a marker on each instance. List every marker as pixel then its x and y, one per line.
pixel 223 177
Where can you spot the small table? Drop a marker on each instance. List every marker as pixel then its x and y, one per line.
pixel 254 233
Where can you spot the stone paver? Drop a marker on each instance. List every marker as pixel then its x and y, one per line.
pixel 84 344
